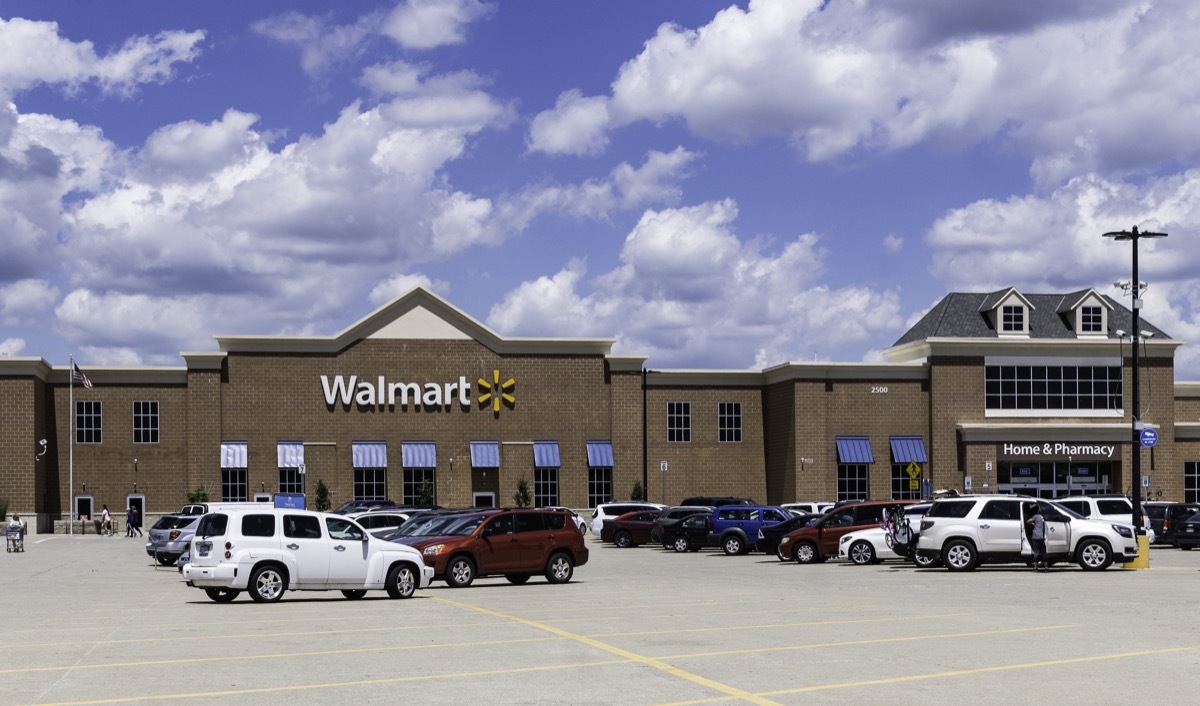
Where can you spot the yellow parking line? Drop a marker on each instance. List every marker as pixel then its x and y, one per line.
pixel 284 655
pixel 195 638
pixel 872 641
pixel 725 689
pixel 782 625
pixel 339 685
pixel 955 673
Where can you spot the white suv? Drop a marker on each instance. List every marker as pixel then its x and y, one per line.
pixel 266 551
pixel 1106 507
pixel 964 532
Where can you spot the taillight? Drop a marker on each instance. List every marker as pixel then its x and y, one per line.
pixel 1166 523
pixel 173 535
pixel 926 524
pixel 228 547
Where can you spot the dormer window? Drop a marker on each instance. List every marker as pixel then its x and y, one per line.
pixel 1091 319
pixel 1012 318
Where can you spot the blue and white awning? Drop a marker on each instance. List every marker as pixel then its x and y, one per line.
pixel 906 449
pixel 369 454
pixel 418 454
pixel 545 454
pixel 485 454
pixel 600 454
pixel 291 454
pixel 234 454
pixel 854 449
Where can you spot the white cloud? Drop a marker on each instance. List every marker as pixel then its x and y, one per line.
pixel 893 243
pixel 576 125
pixel 321 45
pixel 33 53
pixel 426 24
pixel 402 284
pixel 1078 86
pixel 26 301
pixel 690 293
pixel 12 346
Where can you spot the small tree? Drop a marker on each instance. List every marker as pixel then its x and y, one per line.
pixel 425 494
pixel 523 498
pixel 322 502
pixel 199 495
pixel 639 493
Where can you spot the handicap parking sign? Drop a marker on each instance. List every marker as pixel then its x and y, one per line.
pixel 1149 437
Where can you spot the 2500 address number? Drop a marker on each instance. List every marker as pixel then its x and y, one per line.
pixel 879 389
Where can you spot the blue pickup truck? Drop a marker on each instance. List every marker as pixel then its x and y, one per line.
pixel 735 527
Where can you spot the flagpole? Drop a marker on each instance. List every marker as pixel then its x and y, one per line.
pixel 71 454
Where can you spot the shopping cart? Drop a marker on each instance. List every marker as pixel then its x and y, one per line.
pixel 15 538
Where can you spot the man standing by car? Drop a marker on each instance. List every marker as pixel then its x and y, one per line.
pixel 1037 538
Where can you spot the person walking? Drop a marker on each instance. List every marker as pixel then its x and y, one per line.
pixel 1037 538
pixel 106 522
pixel 129 521
pixel 137 521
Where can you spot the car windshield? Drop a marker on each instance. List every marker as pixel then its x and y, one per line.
pixel 427 526
pixel 1193 518
pixel 212 525
pixel 465 525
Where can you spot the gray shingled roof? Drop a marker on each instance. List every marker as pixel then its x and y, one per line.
pixel 959 315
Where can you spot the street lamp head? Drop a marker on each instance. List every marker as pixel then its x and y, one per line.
pixel 1146 334
pixel 1120 333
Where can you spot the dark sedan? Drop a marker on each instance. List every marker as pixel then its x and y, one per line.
pixel 769 536
pixel 688 534
pixel 630 529
pixel 1187 533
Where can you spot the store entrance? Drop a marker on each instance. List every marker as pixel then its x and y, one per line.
pixel 1053 479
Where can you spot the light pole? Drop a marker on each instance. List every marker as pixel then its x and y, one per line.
pixel 1136 288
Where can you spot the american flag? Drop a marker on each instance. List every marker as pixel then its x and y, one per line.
pixel 77 374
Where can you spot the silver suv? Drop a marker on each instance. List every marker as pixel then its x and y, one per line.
pixel 170 537
pixel 964 532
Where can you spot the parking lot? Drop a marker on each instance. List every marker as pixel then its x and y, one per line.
pixel 90 620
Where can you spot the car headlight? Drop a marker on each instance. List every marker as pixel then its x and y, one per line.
pixel 434 549
pixel 1123 530
pixel 784 540
pixel 845 538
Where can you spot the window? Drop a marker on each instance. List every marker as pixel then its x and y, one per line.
pixel 301 527
pixel 1053 387
pixel 343 529
pixel 904 487
pixel 233 484
pixel 88 422
pixel 1012 318
pixel 291 480
pixel 370 483
pixel 258 526
pixel 420 486
pixel 729 422
pixel 955 509
pixel 1091 319
pixel 545 487
pixel 852 481
pixel 1191 482
pixel 679 421
pixel 145 421
pixel 1001 510
pixel 599 486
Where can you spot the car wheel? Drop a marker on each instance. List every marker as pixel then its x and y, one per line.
pixel 960 555
pixel 1184 547
pixel 623 539
pixel 681 544
pixel 354 594
pixel 401 581
pixel 559 569
pixel 266 584
pixel 782 556
pixel 925 562
pixel 862 553
pixel 517 579
pixel 461 572
pixel 221 595
pixel 1094 555
pixel 806 553
pixel 733 545
pixel 165 559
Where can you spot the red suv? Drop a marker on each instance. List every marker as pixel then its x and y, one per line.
pixel 515 543
pixel 819 541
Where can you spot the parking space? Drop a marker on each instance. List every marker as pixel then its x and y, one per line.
pixel 90 620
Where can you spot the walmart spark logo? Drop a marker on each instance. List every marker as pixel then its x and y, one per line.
pixel 496 392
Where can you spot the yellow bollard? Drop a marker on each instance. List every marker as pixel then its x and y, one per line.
pixel 1143 558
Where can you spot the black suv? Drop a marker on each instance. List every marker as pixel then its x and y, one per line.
pixel 1165 518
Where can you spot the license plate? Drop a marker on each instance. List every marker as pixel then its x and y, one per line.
pixel 1187 529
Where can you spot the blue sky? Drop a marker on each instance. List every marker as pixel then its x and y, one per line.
pixel 714 185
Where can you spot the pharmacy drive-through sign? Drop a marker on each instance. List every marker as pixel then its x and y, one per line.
pixel 1149 437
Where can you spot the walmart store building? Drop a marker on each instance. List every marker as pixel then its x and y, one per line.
pixel 1022 392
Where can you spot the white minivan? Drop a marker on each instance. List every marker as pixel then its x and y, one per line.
pixel 265 551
